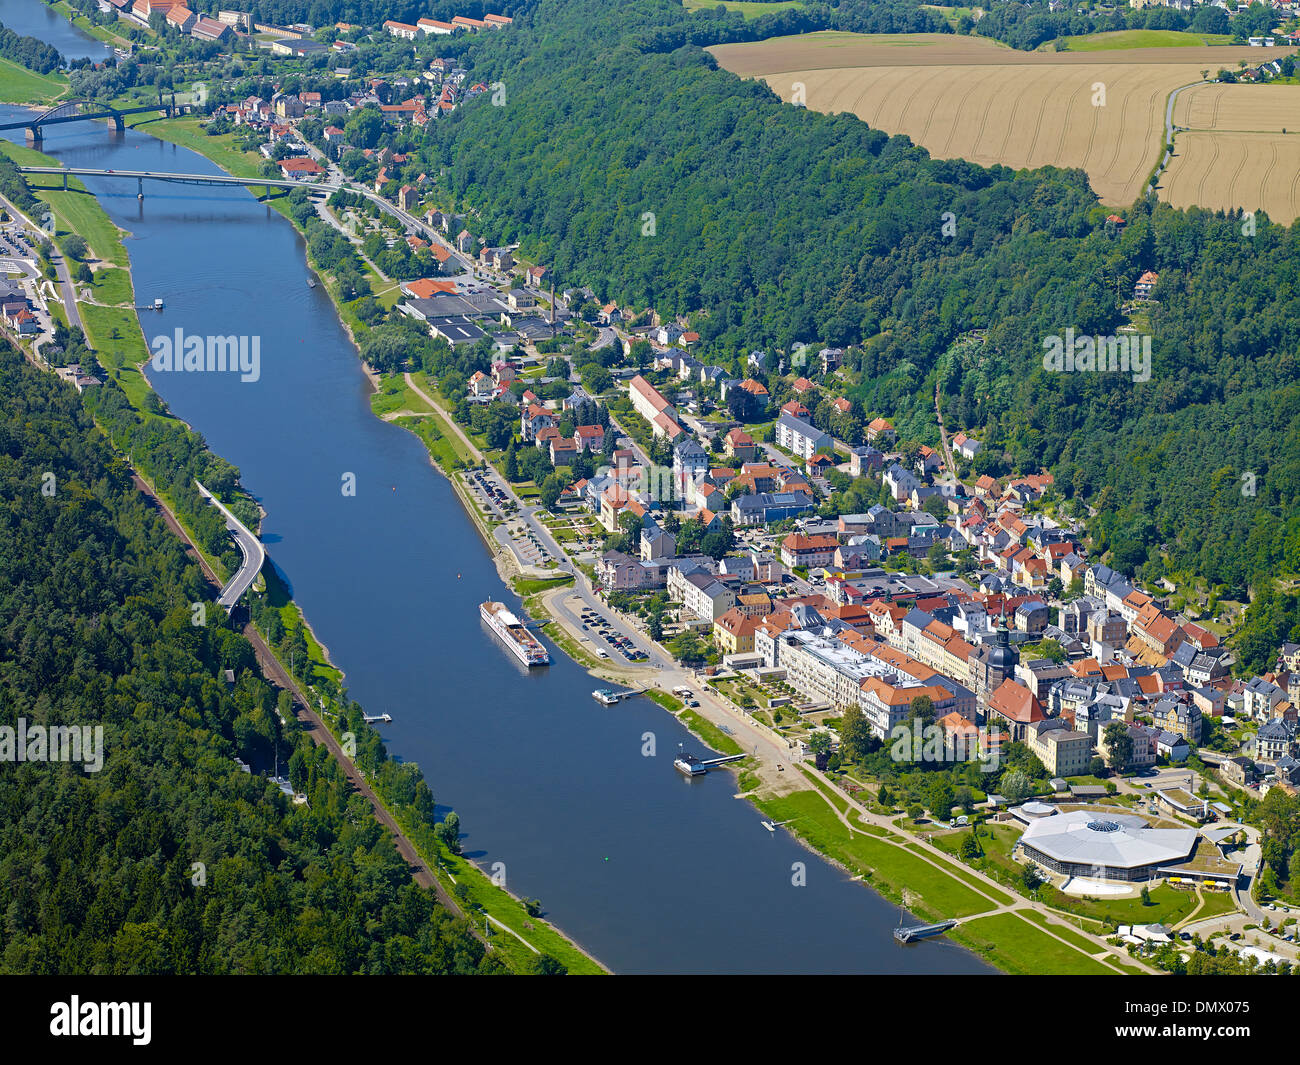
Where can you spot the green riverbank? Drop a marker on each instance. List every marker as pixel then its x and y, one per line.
pixel 115 333
pixel 891 864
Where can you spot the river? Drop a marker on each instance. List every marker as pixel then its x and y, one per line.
pixel 649 871
pixel 30 18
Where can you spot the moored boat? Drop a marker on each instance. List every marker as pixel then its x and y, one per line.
pixel 512 632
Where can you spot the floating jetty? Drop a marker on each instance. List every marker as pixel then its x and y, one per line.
pixel 692 766
pixel 922 931
pixel 371 719
pixel 609 697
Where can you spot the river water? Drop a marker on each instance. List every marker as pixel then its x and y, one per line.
pixel 649 871
pixel 31 18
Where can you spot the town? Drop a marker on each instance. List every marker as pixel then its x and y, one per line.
pixel 940 642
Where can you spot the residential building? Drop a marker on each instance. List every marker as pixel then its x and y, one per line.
pixel 1063 751
pixel 801 438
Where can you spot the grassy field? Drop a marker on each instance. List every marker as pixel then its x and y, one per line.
pixel 893 871
pixel 186 132
pixel 709 733
pixel 18 85
pixel 749 9
pixel 75 210
pixel 1124 39
pixel 974 99
pixel 1018 946
pixel 113 285
pixel 394 394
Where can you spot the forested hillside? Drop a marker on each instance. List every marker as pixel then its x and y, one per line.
pixel 660 180
pixel 97 870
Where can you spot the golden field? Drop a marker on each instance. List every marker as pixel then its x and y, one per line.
pixel 971 98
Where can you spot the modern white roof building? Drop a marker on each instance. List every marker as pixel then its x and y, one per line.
pixel 1105 846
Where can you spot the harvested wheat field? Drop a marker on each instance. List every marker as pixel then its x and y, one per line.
pixel 1238 146
pixel 972 98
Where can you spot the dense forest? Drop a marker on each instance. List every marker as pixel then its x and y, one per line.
pixel 679 186
pixel 99 869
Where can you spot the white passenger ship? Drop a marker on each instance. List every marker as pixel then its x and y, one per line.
pixel 526 647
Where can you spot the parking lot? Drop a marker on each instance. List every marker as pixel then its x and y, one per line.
pixel 601 633
pixel 489 493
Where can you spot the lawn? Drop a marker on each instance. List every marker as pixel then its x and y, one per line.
pixel 439 446
pixel 114 333
pixel 1125 39
pixel 18 85
pixel 187 132
pixel 931 892
pixel 394 394
pixel 533 587
pixel 1018 946
pixel 709 733
pixel 113 285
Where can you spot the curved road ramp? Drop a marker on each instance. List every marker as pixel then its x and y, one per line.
pixel 249 545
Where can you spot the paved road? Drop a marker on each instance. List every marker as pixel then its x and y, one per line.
pixel 249 546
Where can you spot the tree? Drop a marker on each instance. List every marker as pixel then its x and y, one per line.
pixel 922 713
pixel 511 466
pixel 716 544
pixel 936 507
pixel 544 964
pixel 915 812
pixel 687 648
pixel 552 487
pixel 1031 877
pixel 364 127
pixel 1146 896
pixel 449 832
pixel 855 734
pixel 940 799
pixel 656 626
pixel 1119 745
pixel 969 849
pixel 1015 786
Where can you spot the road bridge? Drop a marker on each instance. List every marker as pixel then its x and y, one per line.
pixel 82 111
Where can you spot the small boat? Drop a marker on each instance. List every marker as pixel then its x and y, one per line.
pixel 158 304
pixel 311 282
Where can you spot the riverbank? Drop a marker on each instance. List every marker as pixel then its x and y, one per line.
pixel 519 935
pixel 890 865
pixel 451 449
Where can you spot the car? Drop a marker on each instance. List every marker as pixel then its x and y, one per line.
pixel 602 654
pixel 1235 936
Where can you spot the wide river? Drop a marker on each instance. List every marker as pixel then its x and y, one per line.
pixel 649 871
pixel 31 18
